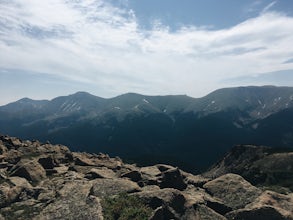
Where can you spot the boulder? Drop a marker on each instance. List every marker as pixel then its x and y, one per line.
pixel 9 194
pixel 259 213
pixel 3 174
pixel 82 160
pixel 282 203
pixel 74 202
pixel 162 213
pixel 133 175
pixel 102 172
pixel 4 164
pixel 204 212
pixel 30 193
pixel 164 167
pixel 198 196
pixel 194 196
pixel 13 156
pixel 47 162
pixel 109 187
pixel 30 170
pixel 151 171
pixel 22 209
pixel 217 206
pixel 50 149
pixel 61 169
pixel 3 149
pixel 19 181
pixel 150 188
pixel 72 176
pixel 197 181
pixel 172 178
pixel 150 175
pixel 80 169
pixel 113 164
pixel 233 190
pixel 47 196
pixel 164 197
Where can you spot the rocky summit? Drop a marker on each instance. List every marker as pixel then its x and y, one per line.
pixel 44 181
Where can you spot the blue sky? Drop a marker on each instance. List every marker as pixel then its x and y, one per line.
pixel 209 13
pixel 154 47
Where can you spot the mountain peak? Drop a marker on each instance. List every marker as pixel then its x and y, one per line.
pixel 25 100
pixel 82 93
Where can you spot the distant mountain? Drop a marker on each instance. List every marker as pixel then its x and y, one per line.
pixel 181 130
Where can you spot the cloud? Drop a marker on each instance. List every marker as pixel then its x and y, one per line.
pixel 288 61
pixel 268 7
pixel 279 78
pixel 96 43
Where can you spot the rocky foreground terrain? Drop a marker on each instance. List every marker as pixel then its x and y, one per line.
pixel 44 181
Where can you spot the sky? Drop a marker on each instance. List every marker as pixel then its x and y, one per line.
pixel 50 48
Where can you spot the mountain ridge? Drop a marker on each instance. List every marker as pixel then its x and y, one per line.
pixel 174 128
pixel 240 94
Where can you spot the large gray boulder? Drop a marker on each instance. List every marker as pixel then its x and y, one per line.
pixel 29 169
pixel 101 172
pixel 257 213
pixel 109 187
pixel 74 202
pixel 172 178
pixel 164 197
pixel 233 190
pixel 269 205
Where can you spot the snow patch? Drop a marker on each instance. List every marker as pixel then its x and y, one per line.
pixel 237 125
pixel 69 106
pixel 213 102
pixel 116 107
pixel 66 108
pixel 63 104
pixel 165 110
pixel 146 101
pixel 277 100
pixel 255 126
pixel 259 102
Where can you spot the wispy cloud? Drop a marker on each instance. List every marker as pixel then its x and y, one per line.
pixel 94 42
pixel 268 7
pixel 280 78
pixel 288 61
pixel 254 6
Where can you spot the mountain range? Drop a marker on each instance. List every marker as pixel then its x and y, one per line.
pixel 180 130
